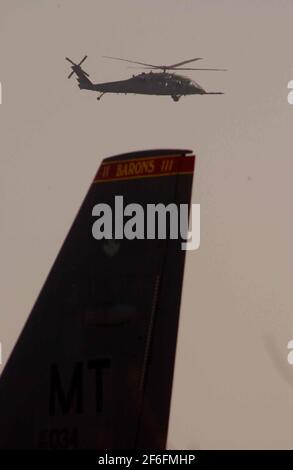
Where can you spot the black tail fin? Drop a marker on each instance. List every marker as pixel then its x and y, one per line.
pixel 82 76
pixel 84 82
pixel 93 366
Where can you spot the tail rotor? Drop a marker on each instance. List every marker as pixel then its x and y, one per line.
pixel 75 67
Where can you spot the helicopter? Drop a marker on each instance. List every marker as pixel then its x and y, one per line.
pixel 160 80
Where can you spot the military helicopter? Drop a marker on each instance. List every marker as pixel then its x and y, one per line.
pixel 161 82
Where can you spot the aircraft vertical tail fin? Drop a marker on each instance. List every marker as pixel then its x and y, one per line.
pixel 82 76
pixel 93 366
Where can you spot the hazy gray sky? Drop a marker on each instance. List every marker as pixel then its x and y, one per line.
pixel 237 299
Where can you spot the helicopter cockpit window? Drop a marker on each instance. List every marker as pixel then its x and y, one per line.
pixel 192 82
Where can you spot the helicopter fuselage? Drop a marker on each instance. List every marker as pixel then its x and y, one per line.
pixel 152 84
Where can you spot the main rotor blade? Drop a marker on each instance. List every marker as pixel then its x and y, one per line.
pixel 182 63
pixel 213 70
pixel 179 68
pixel 132 61
pixel 70 75
pixel 145 68
pixel 164 67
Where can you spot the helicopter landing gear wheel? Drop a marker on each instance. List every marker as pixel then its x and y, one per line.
pixel 176 97
pixel 100 96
